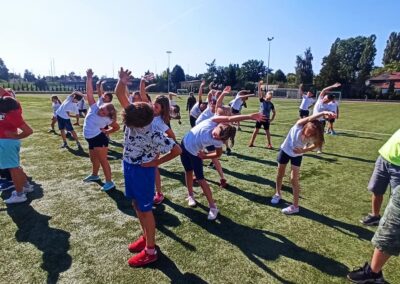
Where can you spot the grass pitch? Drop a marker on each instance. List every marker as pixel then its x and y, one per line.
pixel 71 232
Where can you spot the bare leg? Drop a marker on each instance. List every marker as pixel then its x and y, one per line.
pixel 294 179
pixel 207 192
pixel 18 178
pixel 63 136
pixel 268 134
pixel 189 182
pixel 75 136
pixel 95 162
pixel 253 137
pixel 218 167
pixel 379 259
pixel 376 204
pixel 149 227
pixel 101 153
pixel 158 181
pixel 279 178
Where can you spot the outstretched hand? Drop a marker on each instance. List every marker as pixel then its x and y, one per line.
pixel 227 89
pixel 89 74
pixel 124 76
pixel 329 115
pixel 258 116
pixel 336 85
pixel 148 77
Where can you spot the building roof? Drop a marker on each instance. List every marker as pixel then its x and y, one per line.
pixel 394 76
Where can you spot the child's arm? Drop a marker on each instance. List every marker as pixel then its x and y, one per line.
pixel 99 88
pixel 170 134
pixel 220 98
pixel 312 147
pixel 300 91
pixel 259 91
pixel 175 151
pixel 114 126
pixel 215 154
pixel 326 89
pixel 305 120
pixel 273 115
pixel 149 86
pixel 254 116
pixel 201 91
pixel 26 131
pixel 337 111
pixel 89 87
pixel 124 78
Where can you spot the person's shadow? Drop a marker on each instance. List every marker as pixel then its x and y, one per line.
pixel 258 244
pixel 34 228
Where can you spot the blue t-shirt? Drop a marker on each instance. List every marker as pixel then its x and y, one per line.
pixel 266 107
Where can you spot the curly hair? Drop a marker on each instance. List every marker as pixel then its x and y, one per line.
pixel 138 115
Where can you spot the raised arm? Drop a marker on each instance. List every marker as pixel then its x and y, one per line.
pixel 327 114
pixel 254 116
pixel 300 91
pixel 220 99
pixel 201 90
pixel 150 86
pixel 145 79
pixel 99 88
pixel 259 91
pixel 89 87
pixel 244 93
pixel 120 88
pixel 326 89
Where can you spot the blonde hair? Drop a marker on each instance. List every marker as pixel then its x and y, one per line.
pixel 318 132
pixel 268 95
pixel 112 112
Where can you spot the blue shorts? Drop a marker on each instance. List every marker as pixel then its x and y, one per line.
pixel 64 124
pixel 192 163
pixel 9 153
pixel 140 185
pixel 284 158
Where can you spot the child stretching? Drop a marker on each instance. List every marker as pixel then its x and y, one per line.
pixel 142 148
pixel 266 106
pixel 198 107
pixel 96 134
pixel 210 132
pixel 55 104
pixel 64 112
pixel 333 107
pixel 306 135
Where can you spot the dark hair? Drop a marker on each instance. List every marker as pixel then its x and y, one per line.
pixel 163 101
pixel 56 98
pixel 8 104
pixel 77 97
pixel 109 95
pixel 331 96
pixel 227 132
pixel 138 115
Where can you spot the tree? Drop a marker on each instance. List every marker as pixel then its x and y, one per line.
pixel 304 71
pixel 252 70
pixel 29 76
pixel 41 84
pixel 232 73
pixel 365 64
pixel 177 75
pixel 3 71
pixel 391 67
pixel 279 76
pixel 392 50
pixel 329 73
pixel 291 78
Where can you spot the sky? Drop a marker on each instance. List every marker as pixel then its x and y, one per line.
pixel 105 35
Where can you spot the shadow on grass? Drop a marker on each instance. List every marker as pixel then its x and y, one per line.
pixel 78 152
pixel 115 143
pixel 321 157
pixel 253 159
pixel 123 204
pixel 179 176
pixel 114 155
pixel 34 228
pixel 350 157
pixel 258 244
pixel 346 134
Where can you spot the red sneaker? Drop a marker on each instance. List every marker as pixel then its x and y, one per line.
pixel 158 198
pixel 138 245
pixel 223 183
pixel 142 259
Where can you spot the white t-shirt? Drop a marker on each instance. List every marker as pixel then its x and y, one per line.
pixel 306 102
pixel 81 104
pixel 200 136
pixel 195 111
pixel 320 107
pixel 333 106
pixel 67 106
pixel 293 140
pixel 55 106
pixel 206 114
pixel 94 122
pixel 100 101
pixel 236 103
pixel 159 125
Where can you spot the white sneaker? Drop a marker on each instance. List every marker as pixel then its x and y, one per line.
pixel 28 188
pixel 275 199
pixel 290 210
pixel 15 198
pixel 319 152
pixel 191 201
pixel 213 213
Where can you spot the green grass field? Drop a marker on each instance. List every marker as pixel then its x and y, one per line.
pixel 71 232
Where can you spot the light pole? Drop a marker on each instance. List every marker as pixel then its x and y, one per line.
pixel 269 52
pixel 169 53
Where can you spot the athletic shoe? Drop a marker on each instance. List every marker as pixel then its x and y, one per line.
pixel 212 214
pixel 51 131
pixel 319 152
pixel 228 151
pixel 333 133
pixel 290 210
pixel 138 245
pixel 370 220
pixel 191 201
pixel 158 198
pixel 328 132
pixel 15 198
pixel 6 185
pixel 269 146
pixel 64 145
pixel 275 199
pixel 28 188
pixel 108 185
pixel 76 123
pixel 223 183
pixel 364 274
pixel 142 259
pixel 251 145
pixel 91 178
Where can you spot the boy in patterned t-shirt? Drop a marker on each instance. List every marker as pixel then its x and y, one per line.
pixel 142 147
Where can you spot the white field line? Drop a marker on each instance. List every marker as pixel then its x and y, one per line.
pixel 345 130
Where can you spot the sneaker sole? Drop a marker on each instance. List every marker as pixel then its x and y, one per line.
pixel 375 223
pixel 143 264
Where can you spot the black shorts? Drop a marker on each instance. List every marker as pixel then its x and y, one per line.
pixel 192 121
pixel 304 113
pixel 64 124
pixel 235 111
pixel 82 112
pixel 265 124
pixel 331 120
pixel 192 163
pixel 284 158
pixel 98 141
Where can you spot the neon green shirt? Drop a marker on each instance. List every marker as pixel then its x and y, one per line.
pixel 391 150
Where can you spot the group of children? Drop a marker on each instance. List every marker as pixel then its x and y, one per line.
pixel 149 142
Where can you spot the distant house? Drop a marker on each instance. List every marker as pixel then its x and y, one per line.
pixel 383 81
pixel 191 86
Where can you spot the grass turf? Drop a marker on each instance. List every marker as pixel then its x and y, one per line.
pixel 71 232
